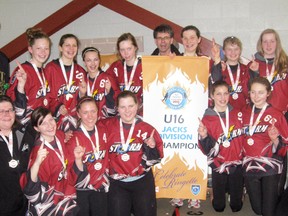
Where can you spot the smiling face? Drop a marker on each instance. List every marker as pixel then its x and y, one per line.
pixel 259 94
pixel 232 53
pixel 68 49
pixel 7 116
pixel 221 98
pixel 47 128
pixel 92 62
pixel 163 42
pixel 269 45
pixel 40 51
pixel 88 114
pixel 127 108
pixel 190 42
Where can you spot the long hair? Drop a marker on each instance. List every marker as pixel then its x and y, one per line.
pixel 281 59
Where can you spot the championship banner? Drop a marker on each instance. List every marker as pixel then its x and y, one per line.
pixel 175 95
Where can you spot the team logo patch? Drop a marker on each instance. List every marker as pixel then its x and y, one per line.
pixel 175 98
pixel 195 189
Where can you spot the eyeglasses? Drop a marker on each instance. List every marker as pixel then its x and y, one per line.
pixel 9 111
pixel 163 38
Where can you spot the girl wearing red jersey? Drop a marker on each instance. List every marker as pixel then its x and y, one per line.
pixel 28 84
pixel 128 70
pixel 90 170
pixel 220 138
pixel 265 147
pixel 101 86
pixel 46 184
pixel 271 62
pixel 233 72
pixel 134 147
pixel 66 80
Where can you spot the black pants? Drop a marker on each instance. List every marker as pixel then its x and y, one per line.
pixel 92 203
pixel 263 193
pixel 221 183
pixel 137 196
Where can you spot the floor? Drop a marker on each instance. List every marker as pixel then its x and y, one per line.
pixel 164 208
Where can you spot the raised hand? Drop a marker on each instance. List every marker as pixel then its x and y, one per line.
pixel 273 133
pixel 108 85
pixel 215 51
pixel 21 77
pixel 68 135
pixel 82 88
pixel 41 154
pixel 78 150
pixel 202 130
pixel 63 110
pixel 150 141
pixel 254 66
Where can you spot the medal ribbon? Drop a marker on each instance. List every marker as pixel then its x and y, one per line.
pixel 61 155
pixel 236 82
pixel 128 84
pixel 95 147
pixel 9 143
pixel 252 127
pixel 126 144
pixel 90 91
pixel 68 84
pixel 269 74
pixel 41 79
pixel 224 128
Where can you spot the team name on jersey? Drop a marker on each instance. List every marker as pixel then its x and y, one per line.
pixel 99 97
pixel 232 135
pixel 258 129
pixel 62 90
pixel 40 92
pixel 134 147
pixel 134 89
pixel 90 156
pixel 239 89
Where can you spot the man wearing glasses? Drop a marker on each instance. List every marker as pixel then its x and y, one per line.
pixel 163 37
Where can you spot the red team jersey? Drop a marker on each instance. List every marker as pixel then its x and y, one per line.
pixel 220 156
pixel 139 158
pixel 279 94
pixel 34 92
pixel 259 157
pixel 105 102
pixel 52 192
pixel 59 94
pixel 95 174
pixel 117 71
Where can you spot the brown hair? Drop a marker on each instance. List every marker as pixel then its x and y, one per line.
pixel 34 34
pixel 126 94
pixel 126 37
pixel 281 59
pixel 197 31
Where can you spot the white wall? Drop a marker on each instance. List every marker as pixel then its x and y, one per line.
pixel 219 19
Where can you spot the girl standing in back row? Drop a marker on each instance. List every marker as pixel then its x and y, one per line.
pixel 128 70
pixel 271 62
pixel 67 85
